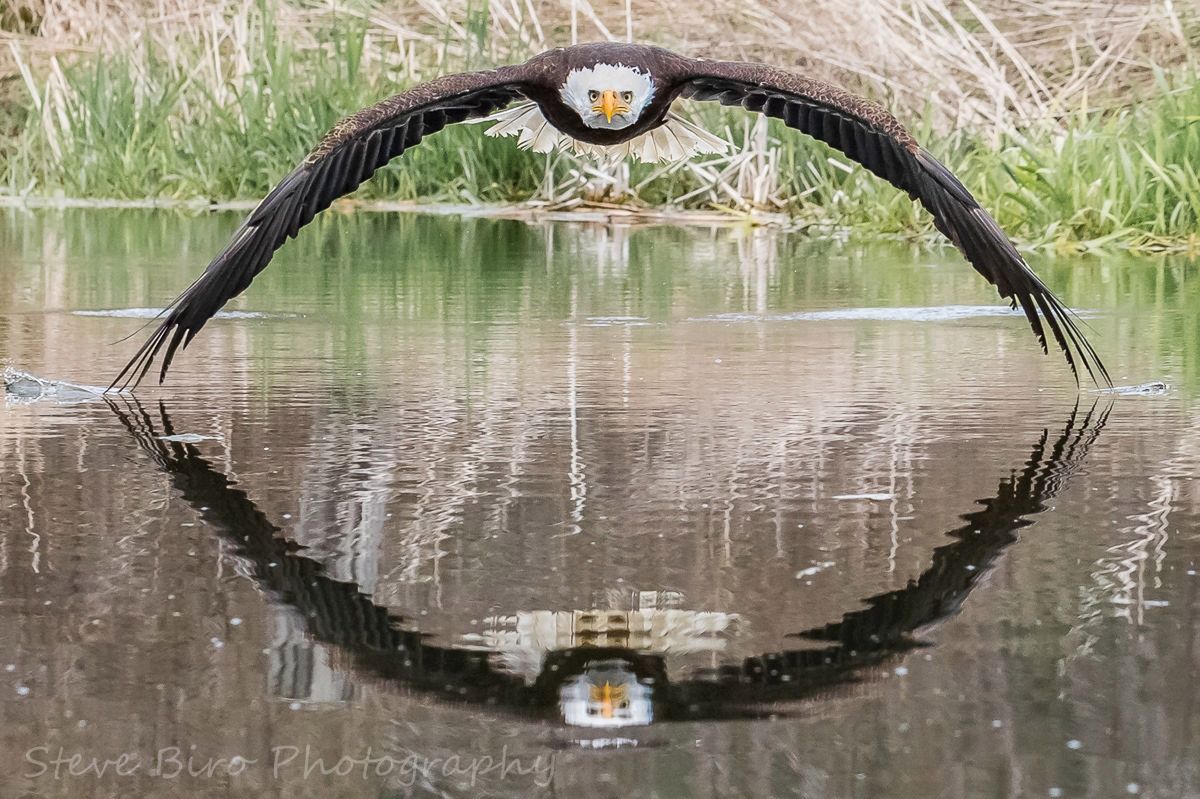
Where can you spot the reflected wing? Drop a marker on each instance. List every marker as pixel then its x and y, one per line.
pixel 347 156
pixel 863 639
pixel 958 567
pixel 333 611
pixel 868 134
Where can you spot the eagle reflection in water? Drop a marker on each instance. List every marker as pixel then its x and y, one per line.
pixel 609 682
pixel 607 694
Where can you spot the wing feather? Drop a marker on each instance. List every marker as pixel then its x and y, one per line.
pixel 345 158
pixel 869 135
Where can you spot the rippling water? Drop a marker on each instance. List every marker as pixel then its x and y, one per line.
pixel 466 508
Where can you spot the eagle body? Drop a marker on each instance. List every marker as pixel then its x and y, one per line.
pixel 662 66
pixel 613 99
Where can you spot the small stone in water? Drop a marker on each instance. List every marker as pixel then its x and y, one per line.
pixel 1133 787
pixel 22 690
pixel 815 569
pixel 1074 744
pixel 187 438
pixel 235 621
pixel 1151 389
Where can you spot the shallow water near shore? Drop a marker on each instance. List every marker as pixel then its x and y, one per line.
pixel 476 507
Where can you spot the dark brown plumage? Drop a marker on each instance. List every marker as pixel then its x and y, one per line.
pixel 865 132
pixel 379 643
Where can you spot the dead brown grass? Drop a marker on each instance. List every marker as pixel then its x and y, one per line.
pixel 998 64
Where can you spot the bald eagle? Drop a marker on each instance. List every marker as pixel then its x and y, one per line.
pixel 622 680
pixel 612 98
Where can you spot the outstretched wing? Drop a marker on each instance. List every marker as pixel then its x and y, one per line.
pixel 868 134
pixel 347 156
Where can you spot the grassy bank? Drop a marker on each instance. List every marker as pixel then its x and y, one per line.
pixel 221 116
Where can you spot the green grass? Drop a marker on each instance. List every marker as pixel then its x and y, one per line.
pixel 144 126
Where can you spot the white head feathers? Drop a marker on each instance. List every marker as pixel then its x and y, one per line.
pixel 583 86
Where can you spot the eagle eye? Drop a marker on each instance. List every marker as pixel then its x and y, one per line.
pixel 593 95
pixel 627 96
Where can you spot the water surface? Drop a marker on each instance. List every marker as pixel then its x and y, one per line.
pixel 475 507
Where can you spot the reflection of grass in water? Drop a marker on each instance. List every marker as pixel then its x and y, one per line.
pixel 350 270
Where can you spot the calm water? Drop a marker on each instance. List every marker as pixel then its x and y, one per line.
pixel 482 508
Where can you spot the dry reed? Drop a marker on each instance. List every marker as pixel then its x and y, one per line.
pixel 1001 64
pixel 998 68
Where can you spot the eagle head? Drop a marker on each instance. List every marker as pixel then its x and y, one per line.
pixel 607 693
pixel 608 96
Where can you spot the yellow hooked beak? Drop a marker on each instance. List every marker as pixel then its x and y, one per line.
pixel 606 693
pixel 610 697
pixel 610 104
